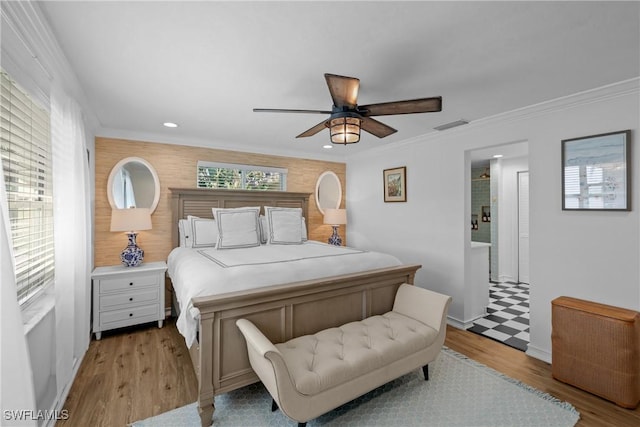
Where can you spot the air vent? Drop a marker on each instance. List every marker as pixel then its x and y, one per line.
pixel 451 125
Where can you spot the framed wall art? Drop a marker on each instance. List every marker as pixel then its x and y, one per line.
pixel 395 184
pixel 596 172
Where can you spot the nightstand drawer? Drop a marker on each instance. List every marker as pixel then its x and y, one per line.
pixel 132 282
pixel 129 298
pixel 133 314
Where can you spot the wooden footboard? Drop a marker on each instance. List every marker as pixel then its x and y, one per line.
pixel 282 312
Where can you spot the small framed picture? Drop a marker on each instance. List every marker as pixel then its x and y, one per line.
pixel 395 184
pixel 596 172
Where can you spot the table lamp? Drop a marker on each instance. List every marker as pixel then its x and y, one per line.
pixel 335 217
pixel 131 221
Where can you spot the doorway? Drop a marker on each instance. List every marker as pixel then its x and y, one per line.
pixel 507 312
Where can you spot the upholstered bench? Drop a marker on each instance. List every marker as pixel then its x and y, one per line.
pixel 313 374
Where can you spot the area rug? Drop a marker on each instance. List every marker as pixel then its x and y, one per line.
pixel 460 392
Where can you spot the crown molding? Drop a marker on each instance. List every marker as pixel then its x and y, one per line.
pixel 599 94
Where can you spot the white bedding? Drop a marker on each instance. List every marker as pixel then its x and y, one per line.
pixel 203 272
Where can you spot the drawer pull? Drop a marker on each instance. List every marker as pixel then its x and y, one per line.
pixel 130 314
pixel 130 283
pixel 131 299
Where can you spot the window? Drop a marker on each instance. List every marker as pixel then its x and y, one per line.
pixel 26 163
pixel 241 177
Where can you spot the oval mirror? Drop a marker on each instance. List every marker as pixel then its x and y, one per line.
pixel 328 191
pixel 133 182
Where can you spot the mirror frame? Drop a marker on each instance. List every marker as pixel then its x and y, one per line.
pixel 154 174
pixel 319 181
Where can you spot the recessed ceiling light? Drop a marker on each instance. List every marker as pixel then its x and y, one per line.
pixel 328 147
pixel 497 156
pixel 170 125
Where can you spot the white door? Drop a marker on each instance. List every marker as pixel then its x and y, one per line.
pixel 523 227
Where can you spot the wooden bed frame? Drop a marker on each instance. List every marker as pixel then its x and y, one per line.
pixel 281 312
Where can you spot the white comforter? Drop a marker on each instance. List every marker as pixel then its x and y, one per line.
pixel 204 272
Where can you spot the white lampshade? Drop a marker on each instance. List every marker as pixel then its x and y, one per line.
pixel 133 219
pixel 335 216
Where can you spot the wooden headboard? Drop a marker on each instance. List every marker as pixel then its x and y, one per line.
pixel 199 201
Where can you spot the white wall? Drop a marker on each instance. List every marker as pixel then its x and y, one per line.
pixel 42 345
pixel 590 255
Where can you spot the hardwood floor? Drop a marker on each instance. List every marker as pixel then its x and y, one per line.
pixel 129 375
pixel 132 374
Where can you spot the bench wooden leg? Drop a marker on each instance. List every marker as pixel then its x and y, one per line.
pixel 425 371
pixel 205 410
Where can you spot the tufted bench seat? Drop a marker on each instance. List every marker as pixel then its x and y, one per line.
pixel 312 374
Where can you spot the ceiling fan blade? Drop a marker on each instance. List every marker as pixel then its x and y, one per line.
pixel 317 128
pixel 282 110
pixel 376 128
pixel 344 90
pixel 411 106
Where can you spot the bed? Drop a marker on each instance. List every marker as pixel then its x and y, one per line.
pixel 283 309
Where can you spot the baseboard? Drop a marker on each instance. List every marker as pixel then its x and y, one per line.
pixel 459 324
pixel 538 353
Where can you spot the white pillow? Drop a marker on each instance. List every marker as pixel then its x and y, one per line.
pixel 204 232
pixel 264 231
pixel 284 225
pixel 304 230
pixel 237 228
pixel 184 230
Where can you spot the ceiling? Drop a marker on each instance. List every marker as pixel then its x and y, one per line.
pixel 205 65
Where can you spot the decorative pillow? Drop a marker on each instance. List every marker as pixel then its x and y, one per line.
pixel 284 225
pixel 204 232
pixel 264 231
pixel 237 228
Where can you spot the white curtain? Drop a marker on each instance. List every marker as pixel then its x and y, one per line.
pixel 16 377
pixel 71 227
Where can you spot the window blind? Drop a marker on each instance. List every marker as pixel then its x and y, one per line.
pixel 26 164
pixel 236 177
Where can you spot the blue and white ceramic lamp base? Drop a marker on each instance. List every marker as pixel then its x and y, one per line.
pixel 132 255
pixel 335 238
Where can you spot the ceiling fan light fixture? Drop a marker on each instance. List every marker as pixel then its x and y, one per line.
pixel 347 119
pixel 345 129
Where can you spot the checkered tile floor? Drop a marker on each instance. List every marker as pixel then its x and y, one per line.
pixel 507 320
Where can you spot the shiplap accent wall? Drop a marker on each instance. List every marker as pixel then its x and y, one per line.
pixel 176 167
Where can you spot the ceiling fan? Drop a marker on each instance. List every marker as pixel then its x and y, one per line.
pixel 347 117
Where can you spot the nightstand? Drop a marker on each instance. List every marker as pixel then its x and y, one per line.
pixel 126 296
